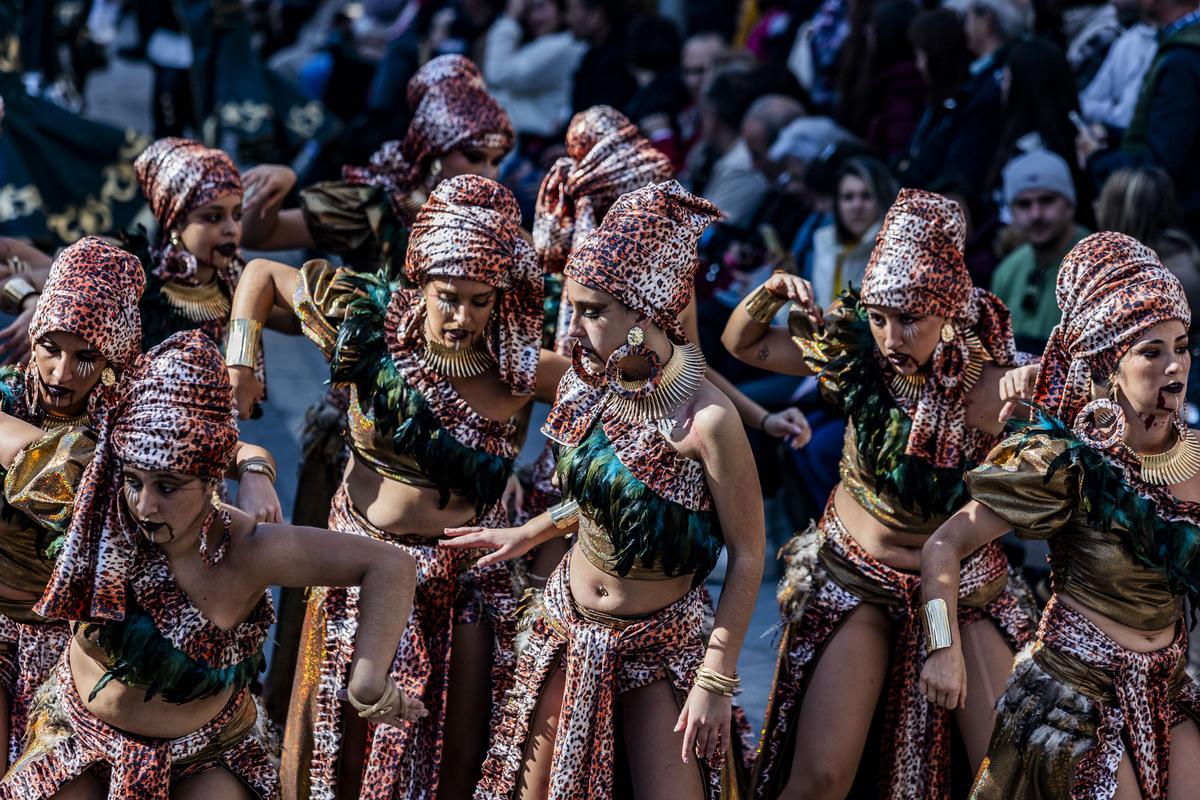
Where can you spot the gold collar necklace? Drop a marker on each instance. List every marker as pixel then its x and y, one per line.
pixel 1176 465
pixel 453 362
pixel 681 378
pixel 204 303
pixel 53 423
pixel 911 387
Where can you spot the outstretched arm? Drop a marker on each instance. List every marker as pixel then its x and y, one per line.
pixel 265 226
pixel 287 555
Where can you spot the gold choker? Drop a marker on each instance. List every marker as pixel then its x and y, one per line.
pixel 198 303
pixel 1176 465
pixel 681 378
pixel 53 423
pixel 455 363
pixel 911 387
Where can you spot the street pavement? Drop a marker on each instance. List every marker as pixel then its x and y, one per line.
pixel 120 95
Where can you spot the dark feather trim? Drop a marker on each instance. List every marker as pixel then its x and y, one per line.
pixel 881 427
pixel 139 655
pixel 1116 508
pixel 642 525
pixel 361 357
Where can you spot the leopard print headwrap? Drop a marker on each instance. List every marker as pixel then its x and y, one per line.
pixel 607 158
pixel 178 176
pixel 471 228
pixel 1111 289
pixel 92 291
pixel 917 265
pixel 452 109
pixel 644 252
pixel 174 411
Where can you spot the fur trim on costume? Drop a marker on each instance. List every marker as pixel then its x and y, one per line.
pixel 1042 715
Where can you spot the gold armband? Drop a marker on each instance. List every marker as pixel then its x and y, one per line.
pixel 712 681
pixel 16 289
pixel 565 514
pixel 259 465
pixel 937 625
pixel 242 347
pixel 763 305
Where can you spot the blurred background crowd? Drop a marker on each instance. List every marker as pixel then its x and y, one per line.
pixel 799 119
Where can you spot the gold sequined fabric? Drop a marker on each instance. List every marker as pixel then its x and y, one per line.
pixel 859 481
pixel 321 302
pixel 1091 566
pixel 596 545
pixel 40 488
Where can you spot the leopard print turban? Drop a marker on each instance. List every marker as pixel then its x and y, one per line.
pixel 179 175
pixel 92 291
pixel 174 411
pixel 471 228
pixel 452 109
pixel 1111 289
pixel 607 158
pixel 644 252
pixel 917 265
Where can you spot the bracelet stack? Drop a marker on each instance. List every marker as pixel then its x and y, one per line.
pixel 257 464
pixel 16 289
pixel 564 515
pixel 712 681
pixel 764 305
pixel 242 347
pixel 386 703
pixel 937 625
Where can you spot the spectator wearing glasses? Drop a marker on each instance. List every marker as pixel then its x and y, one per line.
pixel 1039 191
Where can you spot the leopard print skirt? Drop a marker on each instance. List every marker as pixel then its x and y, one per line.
pixel 829 575
pixel 65 740
pixel 29 654
pixel 604 657
pixel 451 589
pixel 1075 705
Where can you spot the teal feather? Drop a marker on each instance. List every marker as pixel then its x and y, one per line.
pixel 1114 507
pixel 361 357
pixel 139 655
pixel 643 526
pixel 881 428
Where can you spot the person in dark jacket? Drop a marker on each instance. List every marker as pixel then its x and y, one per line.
pixel 603 77
pixel 1165 130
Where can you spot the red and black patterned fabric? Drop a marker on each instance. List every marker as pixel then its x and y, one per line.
pixel 917 265
pixel 452 109
pixel 173 411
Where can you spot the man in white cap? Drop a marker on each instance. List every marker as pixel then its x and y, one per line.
pixel 1039 190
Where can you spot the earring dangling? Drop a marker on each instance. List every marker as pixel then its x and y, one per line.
pixel 947 332
pixel 593 379
pixel 435 167
pixel 633 390
pixel 211 559
pixel 107 377
pixel 175 242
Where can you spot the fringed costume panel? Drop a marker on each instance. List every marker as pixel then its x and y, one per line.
pixel 829 575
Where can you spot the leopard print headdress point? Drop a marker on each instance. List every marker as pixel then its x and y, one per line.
pixel 917 265
pixel 607 158
pixel 644 252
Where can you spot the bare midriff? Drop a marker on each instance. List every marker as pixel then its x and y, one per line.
pixel 402 508
pixel 900 551
pixel 1132 639
pixel 622 597
pixel 126 707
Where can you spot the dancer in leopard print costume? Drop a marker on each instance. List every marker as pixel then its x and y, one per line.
pixel 1099 704
pixel 915 362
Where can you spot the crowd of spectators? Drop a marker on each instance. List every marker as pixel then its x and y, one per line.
pixel 801 119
